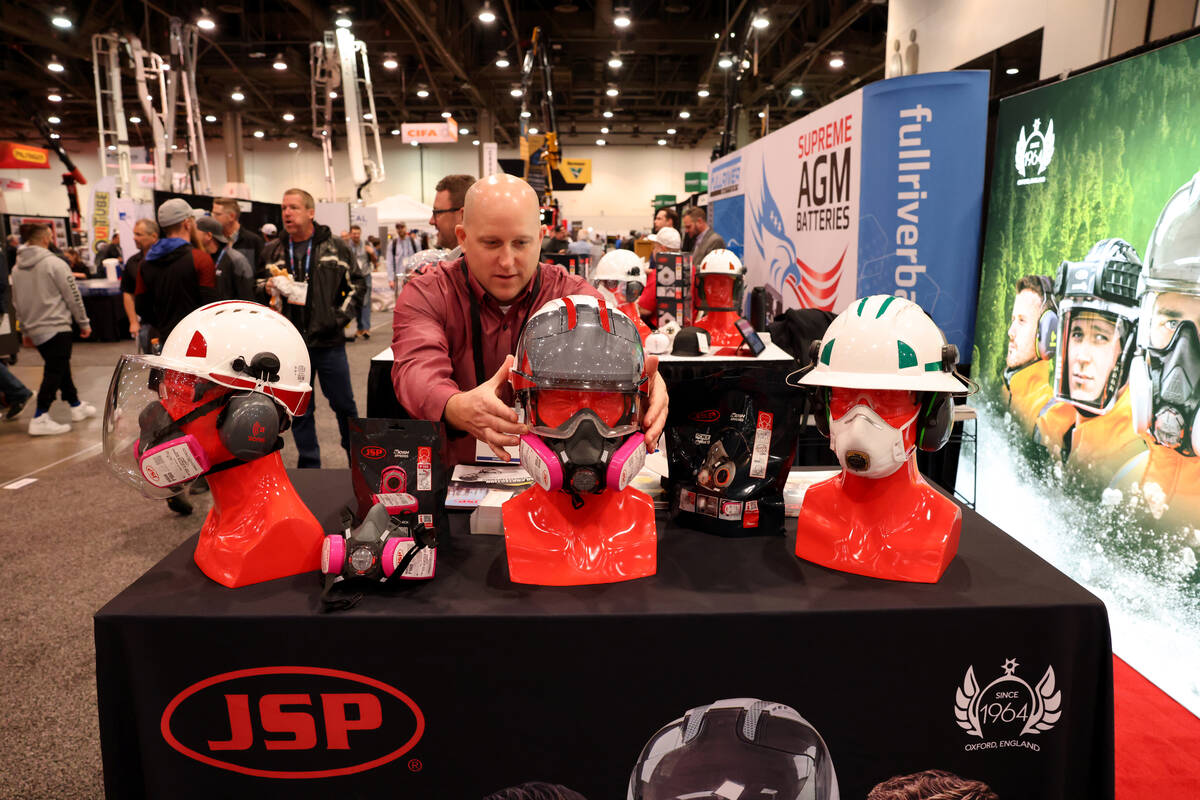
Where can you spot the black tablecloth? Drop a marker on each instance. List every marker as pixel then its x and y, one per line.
pixel 516 683
pixel 106 312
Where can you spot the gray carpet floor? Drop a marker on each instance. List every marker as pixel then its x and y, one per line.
pixel 69 542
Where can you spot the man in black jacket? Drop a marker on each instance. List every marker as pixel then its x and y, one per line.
pixel 313 284
pixel 175 278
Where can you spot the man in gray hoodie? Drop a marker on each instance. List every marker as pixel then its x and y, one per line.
pixel 46 298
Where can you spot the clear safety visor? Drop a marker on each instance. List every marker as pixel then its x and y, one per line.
pixel 1089 367
pixel 619 291
pixel 558 413
pixel 1163 313
pixel 133 394
pixel 554 354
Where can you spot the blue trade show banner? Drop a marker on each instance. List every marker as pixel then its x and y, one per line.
pixel 879 192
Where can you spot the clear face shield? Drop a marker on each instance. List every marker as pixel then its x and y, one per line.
pixel 142 437
pixel 620 292
pixel 1091 363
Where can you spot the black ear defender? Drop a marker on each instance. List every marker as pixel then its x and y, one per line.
pixel 934 420
pixel 249 425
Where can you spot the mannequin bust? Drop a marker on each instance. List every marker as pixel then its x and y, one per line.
pixel 720 323
pixel 258 528
pixel 611 538
pixel 895 527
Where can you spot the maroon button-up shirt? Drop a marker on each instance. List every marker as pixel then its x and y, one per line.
pixel 431 337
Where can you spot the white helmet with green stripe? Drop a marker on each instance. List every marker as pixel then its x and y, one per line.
pixel 885 342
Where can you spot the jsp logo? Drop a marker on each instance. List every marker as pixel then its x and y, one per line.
pixel 1034 150
pixel 1007 709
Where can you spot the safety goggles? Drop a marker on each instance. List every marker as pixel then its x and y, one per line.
pixel 557 413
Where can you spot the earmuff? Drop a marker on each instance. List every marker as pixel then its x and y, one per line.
pixel 934 420
pixel 249 425
pixel 1047 334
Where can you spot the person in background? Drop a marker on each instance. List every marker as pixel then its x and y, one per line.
pixel 46 299
pixel 704 239
pixel 310 255
pixel 580 244
pixel 234 275
pixel 448 202
pixel 111 250
pixel 226 210
pixel 75 263
pixel 399 248
pixel 557 241
pixel 11 244
pixel 145 234
pixel 269 232
pixel 665 217
pixel 1029 360
pixel 15 394
pixel 363 265
pixel 175 277
pixel 665 239
pixel 441 370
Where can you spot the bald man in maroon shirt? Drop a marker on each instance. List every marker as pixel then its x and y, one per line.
pixel 455 327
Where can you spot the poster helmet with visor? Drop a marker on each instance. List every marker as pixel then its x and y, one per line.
pixel 720 295
pixel 238 358
pixel 1164 380
pixel 581 386
pixel 1097 311
pixel 739 747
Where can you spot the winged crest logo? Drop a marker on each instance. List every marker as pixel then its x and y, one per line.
pixel 1008 707
pixel 1034 150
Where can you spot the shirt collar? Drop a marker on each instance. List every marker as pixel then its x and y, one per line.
pixel 485 299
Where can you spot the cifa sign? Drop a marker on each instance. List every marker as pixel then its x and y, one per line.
pixel 429 132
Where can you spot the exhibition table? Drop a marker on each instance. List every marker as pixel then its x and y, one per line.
pixel 105 309
pixel 469 683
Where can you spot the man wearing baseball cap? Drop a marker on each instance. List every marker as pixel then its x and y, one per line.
pixel 234 275
pixel 176 278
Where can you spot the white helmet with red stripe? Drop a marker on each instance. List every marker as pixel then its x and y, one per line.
pixel 241 345
pixel 722 262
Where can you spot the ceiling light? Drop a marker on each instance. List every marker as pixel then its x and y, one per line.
pixel 54 97
pixel 210 118
pixel 205 22
pixel 1011 71
pixel 60 19
pixel 259 134
pixel 395 131
pixel 343 21
pixel 389 61
pixel 475 142
pixel 702 91
pixel 502 60
pixel 760 21
pixel 762 115
pixel 612 91
pixel 662 142
pixel 55 65
pixel 486 15
pixel 135 120
pixel 279 63
pixel 288 117
pixel 608 115
pixel 463 131
pixel 422 92
pixel 615 62
pixel 237 95
pixel 836 61
pixel 621 17
pixel 796 91
pixel 533 131
pixel 516 91
pixel 604 129
pixel 446 115
pixel 166 67
pixel 53 120
pixel 725 60
pixel 414 144
pixel 684 114
pixel 601 142
pixel 368 116
pixel 112 147
pixel 670 131
pixel 293 145
pixel 256 54
pixel 526 114
pixel 717 35
pixel 55 136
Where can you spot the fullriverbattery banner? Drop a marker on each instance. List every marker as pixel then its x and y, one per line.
pixel 1087 346
pixel 878 192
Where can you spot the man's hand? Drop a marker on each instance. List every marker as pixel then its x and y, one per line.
pixel 480 413
pixel 85 333
pixel 134 329
pixel 656 413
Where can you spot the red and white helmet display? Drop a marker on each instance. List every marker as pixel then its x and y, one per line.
pixel 220 342
pixel 725 296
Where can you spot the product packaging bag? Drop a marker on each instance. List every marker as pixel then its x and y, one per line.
pixel 731 436
pixel 400 456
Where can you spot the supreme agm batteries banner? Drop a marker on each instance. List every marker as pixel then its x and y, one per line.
pixel 1087 347
pixel 879 192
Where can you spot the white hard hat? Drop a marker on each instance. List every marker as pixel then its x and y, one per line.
pixel 668 237
pixel 620 265
pixel 722 262
pixel 885 342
